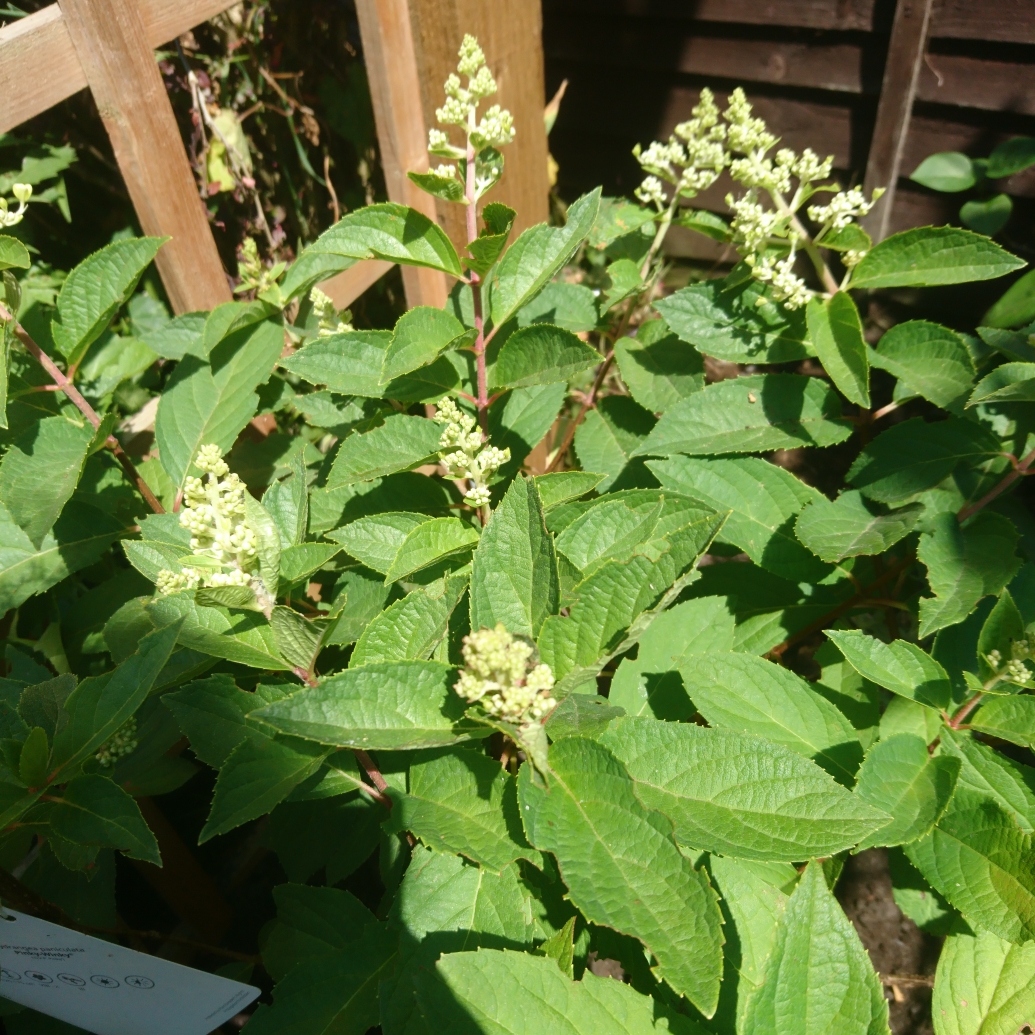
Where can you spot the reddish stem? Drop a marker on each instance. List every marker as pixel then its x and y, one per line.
pixel 965 709
pixel 1019 471
pixel 375 777
pixel 588 404
pixel 75 396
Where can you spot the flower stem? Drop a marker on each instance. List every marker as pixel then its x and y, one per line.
pixel 476 287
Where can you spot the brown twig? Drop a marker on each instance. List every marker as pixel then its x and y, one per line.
pixel 1019 471
pixel 76 397
pixel 965 709
pixel 908 979
pixel 335 205
pixel 376 778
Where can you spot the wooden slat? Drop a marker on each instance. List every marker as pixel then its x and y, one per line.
pixel 116 56
pixel 388 47
pixel 346 287
pixel 510 33
pixel 38 63
pixel 901 74
pixel 1008 21
pixel 971 82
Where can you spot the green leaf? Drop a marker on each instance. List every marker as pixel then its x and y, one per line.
pixel 540 355
pixel 571 306
pixel 852 526
pixel 101 704
pixel 581 715
pixel 929 359
pixel 560 947
pixel 1003 626
pixel 448 188
pixel 32 762
pixel 753 414
pixel 391 706
pixel 388 231
pixel 763 500
pixel 964 564
pixel 287 502
pixel 607 437
pixel 256 776
pixel 1016 307
pixel 1011 156
pixel 900 666
pixel 489 245
pixel 621 866
pixel 376 540
pixel 1011 382
pixel 302 560
pixel 501 992
pixel 736 322
pixel 297 639
pixel 463 802
pixel 614 528
pixel 626 281
pixel 1012 344
pixel 987 215
pixel 349 363
pixel 95 811
pixel 411 627
pixel 400 444
pixel 738 794
pixel 176 337
pixel 519 420
pixel 13 254
pixel 981 861
pixel 1008 718
pixel 913 456
pixel 931 255
pixel 948 171
pixel 244 637
pixel 819 978
pixel 209 402
pixel 95 289
pixel 533 259
pixel 657 368
pixel 429 543
pixel 335 993
pixel 419 336
pixel 267 542
pixel 40 471
pixel 564 486
pixel 752 695
pixel 836 332
pixel 983 985
pixel 515 580
pixel 899 777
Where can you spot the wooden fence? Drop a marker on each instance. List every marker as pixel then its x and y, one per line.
pixel 878 84
pixel 409 46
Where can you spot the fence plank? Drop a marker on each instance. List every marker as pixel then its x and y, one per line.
pixel 901 74
pixel 109 39
pixel 388 49
pixel 344 288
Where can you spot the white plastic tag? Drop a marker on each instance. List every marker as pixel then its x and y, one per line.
pixel 107 989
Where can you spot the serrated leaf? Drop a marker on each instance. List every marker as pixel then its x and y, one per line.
pixel 564 486
pixel 752 695
pixel 930 360
pixel 1008 718
pixel 267 542
pixel 603 838
pixel 571 306
pixel 240 598
pixel 819 978
pixel 837 336
pixel 899 777
pixel 612 529
pixel 738 794
pixel 538 253
pixel 390 706
pixel 35 754
pixel 540 355
pixel 851 526
pixel 607 438
pixel 419 336
pixel 448 188
pixel 763 500
pixel 625 278
pixel 900 666
pixel 178 336
pixel 581 715
pixel 210 401
pixel 930 255
pixel 982 862
pixel 40 471
pixel 245 637
pixel 95 811
pixel 375 540
pixel 1011 382
pixel 983 985
pixel 752 414
pixel 913 456
pixel 94 290
pixel 429 543
pixel 726 321
pixel 964 564
pixel 298 639
pixel 300 561
pixel 485 249
pixel 463 802
pixel 13 254
pixel 658 369
pixel 514 580
pixel 350 363
pixel 400 444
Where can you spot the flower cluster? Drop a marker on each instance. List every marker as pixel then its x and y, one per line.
pixel 221 539
pixel 1013 670
pixel 496 127
pixel 121 743
pixel 330 319
pixel 252 274
pixel 500 673
pixel 22 193
pixel 465 455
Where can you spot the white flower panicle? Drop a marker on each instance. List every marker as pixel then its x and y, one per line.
pixel 844 207
pixel 22 192
pixel 465 455
pixel 221 538
pixel 1014 669
pixel 122 742
pixel 496 127
pixel 330 319
pixel 501 675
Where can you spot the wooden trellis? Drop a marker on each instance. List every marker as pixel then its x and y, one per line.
pixel 409 45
